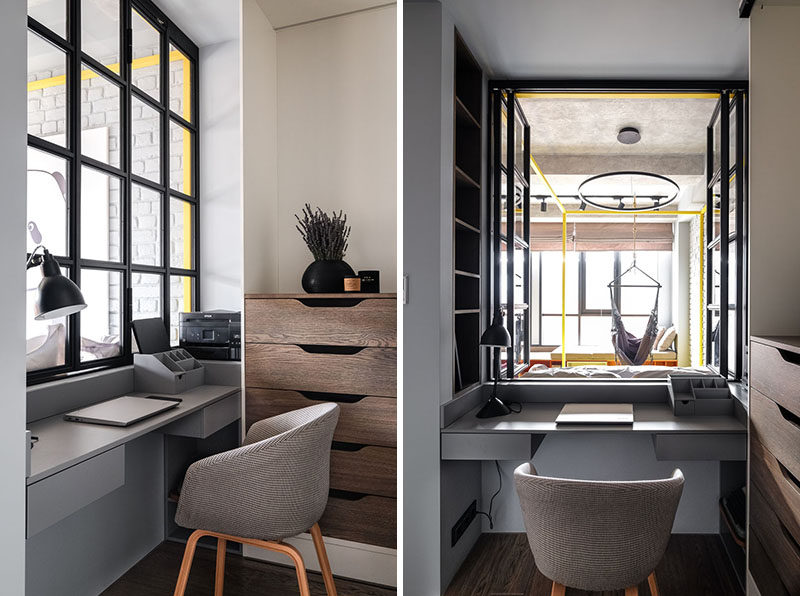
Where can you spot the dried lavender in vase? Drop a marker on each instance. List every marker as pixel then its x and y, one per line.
pixel 326 237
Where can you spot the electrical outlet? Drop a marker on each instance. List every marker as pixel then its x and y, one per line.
pixel 463 523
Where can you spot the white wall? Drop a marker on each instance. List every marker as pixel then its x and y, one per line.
pixel 13 19
pixel 774 208
pixel 220 156
pixel 259 158
pixel 337 123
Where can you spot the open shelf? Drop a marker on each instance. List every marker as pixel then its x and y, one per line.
pixel 463 179
pixel 465 226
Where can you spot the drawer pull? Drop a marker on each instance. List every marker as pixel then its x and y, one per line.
pixel 330 302
pixel 345 350
pixel 790 357
pixel 344 398
pixel 789 538
pixel 351 447
pixel 790 477
pixel 789 416
pixel 345 495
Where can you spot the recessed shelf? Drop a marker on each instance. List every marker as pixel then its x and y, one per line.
pixel 464 116
pixel 463 179
pixel 467 274
pixel 465 226
pixel 468 311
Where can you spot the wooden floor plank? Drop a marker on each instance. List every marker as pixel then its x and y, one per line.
pixel 155 575
pixel 502 565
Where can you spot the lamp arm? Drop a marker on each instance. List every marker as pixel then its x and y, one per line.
pixel 35 262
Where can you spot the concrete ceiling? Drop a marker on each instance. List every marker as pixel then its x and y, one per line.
pixel 630 39
pixel 285 13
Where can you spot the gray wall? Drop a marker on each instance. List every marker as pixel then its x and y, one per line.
pixel 608 456
pixel 774 133
pixel 13 19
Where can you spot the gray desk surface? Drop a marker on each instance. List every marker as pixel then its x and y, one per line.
pixel 63 444
pixel 539 418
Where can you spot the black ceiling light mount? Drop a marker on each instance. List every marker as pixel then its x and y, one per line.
pixel 616 201
pixel 629 135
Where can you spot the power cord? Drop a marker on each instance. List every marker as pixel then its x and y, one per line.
pixel 491 501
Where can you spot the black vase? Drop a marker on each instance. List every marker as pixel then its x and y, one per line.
pixel 326 277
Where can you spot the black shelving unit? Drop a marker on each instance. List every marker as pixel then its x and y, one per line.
pixel 467 192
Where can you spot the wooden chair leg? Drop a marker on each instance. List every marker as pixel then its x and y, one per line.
pixel 558 589
pixel 651 581
pixel 186 564
pixel 324 564
pixel 632 591
pixel 299 566
pixel 219 578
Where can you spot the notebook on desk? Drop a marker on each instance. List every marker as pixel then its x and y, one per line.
pixel 596 414
pixel 123 411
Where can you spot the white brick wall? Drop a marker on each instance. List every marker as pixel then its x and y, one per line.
pixel 696 277
pixel 100 108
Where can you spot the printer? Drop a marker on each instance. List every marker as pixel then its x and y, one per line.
pixel 212 335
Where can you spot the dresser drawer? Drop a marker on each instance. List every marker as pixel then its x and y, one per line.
pixel 369 371
pixel 776 373
pixel 370 322
pixel 781 547
pixel 369 470
pixel 776 429
pixel 762 569
pixel 370 420
pixel 367 519
pixel 777 484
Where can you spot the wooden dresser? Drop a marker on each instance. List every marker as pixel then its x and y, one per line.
pixel 302 349
pixel 774 537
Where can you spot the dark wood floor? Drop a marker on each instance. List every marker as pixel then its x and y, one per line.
pixel 155 575
pixel 502 564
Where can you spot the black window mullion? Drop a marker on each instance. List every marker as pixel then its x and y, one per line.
pixel 709 234
pixel 724 300
pixel 126 224
pixel 165 202
pixel 497 123
pixel 55 39
pixel 73 347
pixel 511 200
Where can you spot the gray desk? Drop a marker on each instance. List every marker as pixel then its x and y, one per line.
pixel 516 436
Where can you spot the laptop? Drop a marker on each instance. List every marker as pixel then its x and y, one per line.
pixel 123 411
pixel 596 414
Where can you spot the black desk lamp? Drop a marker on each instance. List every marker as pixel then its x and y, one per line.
pixel 58 296
pixel 496 336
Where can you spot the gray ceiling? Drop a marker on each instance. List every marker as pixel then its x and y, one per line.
pixel 285 13
pixel 631 39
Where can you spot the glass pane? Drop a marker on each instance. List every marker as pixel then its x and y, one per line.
pixel 100 215
pixel 639 301
pixel 717 275
pixel 732 205
pixel 519 144
pixel 180 158
pixel 50 13
pixel 181 291
pixel 599 273
pixel 551 330
pixel 145 226
pixel 503 137
pixel 100 31
pixel 101 320
pixel 180 83
pixel 717 142
pixel 146 290
pixel 47 202
pixel 551 283
pixel 100 117
pixel 146 64
pixel 46 340
pixel 732 342
pixel 47 91
pixel 732 137
pixel 181 219
pixel 146 141
pixel 714 349
pixel 595 331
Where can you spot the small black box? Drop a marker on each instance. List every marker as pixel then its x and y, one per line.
pixel 370 281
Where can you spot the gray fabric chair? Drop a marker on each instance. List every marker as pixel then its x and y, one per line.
pixel 273 487
pixel 596 535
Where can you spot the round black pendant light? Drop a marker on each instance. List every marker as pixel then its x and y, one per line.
pixel 629 201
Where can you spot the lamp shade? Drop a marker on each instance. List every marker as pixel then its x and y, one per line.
pixel 57 296
pixel 496 335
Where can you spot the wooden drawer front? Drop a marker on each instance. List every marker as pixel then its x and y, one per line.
pixel 777 430
pixel 369 421
pixel 368 470
pixel 369 519
pixel 762 569
pixel 777 484
pixel 781 547
pixel 290 321
pixel 774 374
pixel 370 371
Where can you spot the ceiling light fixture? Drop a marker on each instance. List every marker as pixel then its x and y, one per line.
pixel 629 135
pixel 544 205
pixel 593 191
pixel 583 206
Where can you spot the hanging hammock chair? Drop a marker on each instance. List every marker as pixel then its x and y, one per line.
pixel 632 350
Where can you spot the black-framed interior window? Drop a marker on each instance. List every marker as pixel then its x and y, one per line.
pixel 112 175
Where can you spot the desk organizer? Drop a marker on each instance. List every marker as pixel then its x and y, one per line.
pixel 700 396
pixel 174 371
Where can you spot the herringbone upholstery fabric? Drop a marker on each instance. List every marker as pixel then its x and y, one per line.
pixel 596 535
pixel 273 487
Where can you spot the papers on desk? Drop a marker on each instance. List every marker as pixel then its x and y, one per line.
pixel 596 414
